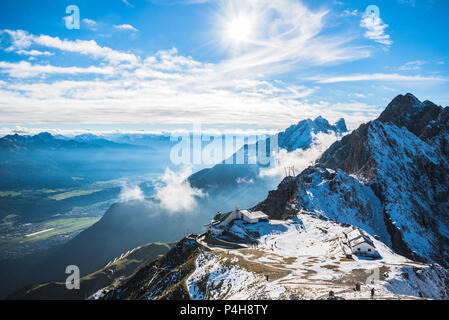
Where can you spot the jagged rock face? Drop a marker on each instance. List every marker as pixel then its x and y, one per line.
pixel 162 278
pixel 425 119
pixel 402 157
pixel 437 132
pixel 276 205
pixel 407 111
pixel 350 154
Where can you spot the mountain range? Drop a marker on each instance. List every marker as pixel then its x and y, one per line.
pixel 387 180
pixel 127 225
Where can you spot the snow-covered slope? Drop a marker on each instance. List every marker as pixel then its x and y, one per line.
pixel 300 258
pixel 402 156
pixel 336 195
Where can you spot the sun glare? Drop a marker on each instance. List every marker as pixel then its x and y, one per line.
pixel 239 29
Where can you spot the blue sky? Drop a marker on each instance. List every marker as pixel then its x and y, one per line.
pixel 162 64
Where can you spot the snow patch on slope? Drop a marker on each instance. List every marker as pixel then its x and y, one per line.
pixel 213 279
pixel 307 253
pixel 341 197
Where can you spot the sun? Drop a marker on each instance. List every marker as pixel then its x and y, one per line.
pixel 239 29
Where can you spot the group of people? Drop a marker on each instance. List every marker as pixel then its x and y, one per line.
pixel 358 287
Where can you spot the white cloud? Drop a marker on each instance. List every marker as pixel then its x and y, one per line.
pixel 165 89
pixel 34 52
pixel 22 40
pixel 112 131
pixel 125 27
pixel 91 24
pixel 412 65
pixel 171 60
pixel 427 4
pixel 240 180
pixel 377 77
pixel 357 95
pixel 86 47
pixel 129 193
pixel 375 29
pixel 300 159
pixel 127 3
pixel 24 69
pixel 176 194
pixel 348 12
pixel 89 21
pixel 170 88
pixel 289 36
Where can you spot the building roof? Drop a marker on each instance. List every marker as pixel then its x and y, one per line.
pixel 360 240
pixel 353 234
pixel 254 215
pixel 357 236
pixel 220 217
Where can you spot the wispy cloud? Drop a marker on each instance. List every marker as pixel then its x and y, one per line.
pixel 375 29
pixel 167 87
pixel 377 77
pixel 20 39
pixel 412 65
pixel 23 40
pixel 24 69
pixel 127 3
pixel 89 21
pixel 91 24
pixel 125 27
pixel 348 12
pixel 34 52
pixel 414 3
pixel 289 36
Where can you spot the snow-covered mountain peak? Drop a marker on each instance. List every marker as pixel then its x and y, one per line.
pixel 341 125
pixel 320 121
pixel 390 176
pixel 406 100
pixel 407 111
pixel 300 135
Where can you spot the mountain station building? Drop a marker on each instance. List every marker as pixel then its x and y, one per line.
pixel 361 244
pixel 222 220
